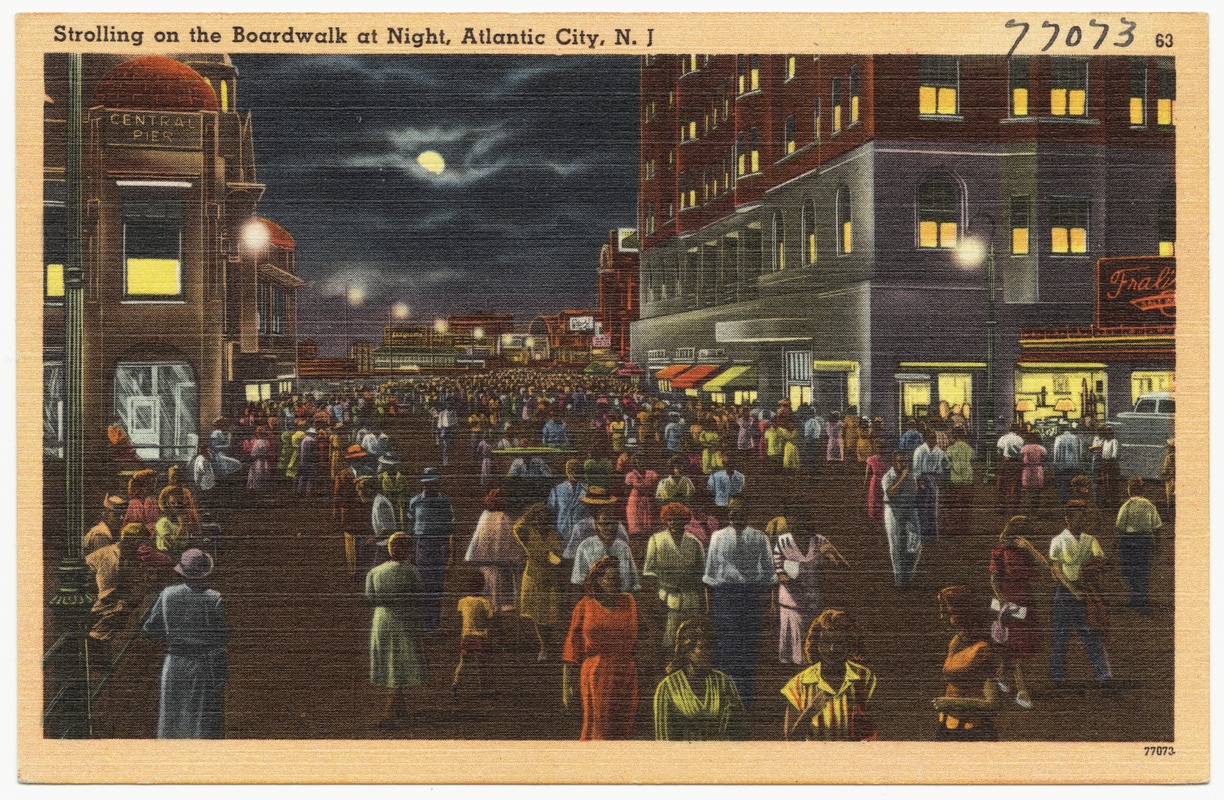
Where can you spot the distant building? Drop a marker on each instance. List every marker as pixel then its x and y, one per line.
pixel 190 297
pixel 481 329
pixel 307 349
pixel 618 288
pixel 568 334
pixel 361 353
pixel 822 225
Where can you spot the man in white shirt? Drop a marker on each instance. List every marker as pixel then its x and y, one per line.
pixel 604 536
pixel 1070 552
pixel 930 464
pixel 445 421
pixel 739 572
pixel 1068 461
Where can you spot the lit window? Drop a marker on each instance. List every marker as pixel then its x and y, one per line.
pixel 1069 226
pixel 741 156
pixel 790 67
pixel 938 83
pixel 683 180
pixel 1138 92
pixel 705 185
pixel 754 73
pixel 1166 224
pixel 788 135
pixel 692 184
pixel 809 232
pixel 845 238
pixel 816 122
pixel 726 167
pixel 1020 225
pixel 938 214
pixel 1166 92
pixel 754 150
pixel 55 249
pixel 854 95
pixel 692 129
pixel 1069 87
pixel 225 97
pixel 152 247
pixel 837 106
pixel 156 404
pixel 1018 86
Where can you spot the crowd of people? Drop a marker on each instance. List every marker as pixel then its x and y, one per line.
pixel 582 480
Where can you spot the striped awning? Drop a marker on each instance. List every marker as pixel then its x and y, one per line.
pixel 695 377
pixel 738 376
pixel 667 373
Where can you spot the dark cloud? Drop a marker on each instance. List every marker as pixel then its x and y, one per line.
pixel 541 161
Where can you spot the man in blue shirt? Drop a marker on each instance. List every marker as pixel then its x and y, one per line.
pixel 565 500
pixel 1068 461
pixel 726 483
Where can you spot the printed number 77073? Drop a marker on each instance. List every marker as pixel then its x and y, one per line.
pixel 1160 750
pixel 1075 34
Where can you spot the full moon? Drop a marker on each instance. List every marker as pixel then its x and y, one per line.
pixel 432 161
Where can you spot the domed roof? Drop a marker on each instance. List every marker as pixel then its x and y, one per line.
pixel 277 235
pixel 155 83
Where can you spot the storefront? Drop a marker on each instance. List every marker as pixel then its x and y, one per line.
pixel 694 378
pixel 1102 371
pixel 736 385
pixel 835 387
pixel 665 376
pixel 931 388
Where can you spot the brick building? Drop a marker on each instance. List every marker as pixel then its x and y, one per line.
pixel 619 289
pixel 829 221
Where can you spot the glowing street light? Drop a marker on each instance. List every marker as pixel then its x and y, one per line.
pixel 255 236
pixel 440 325
pixel 478 333
pixel 400 310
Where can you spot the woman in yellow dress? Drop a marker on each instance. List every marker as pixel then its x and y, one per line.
pixel 695 702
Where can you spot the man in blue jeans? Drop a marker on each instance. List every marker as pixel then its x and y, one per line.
pixel 1071 552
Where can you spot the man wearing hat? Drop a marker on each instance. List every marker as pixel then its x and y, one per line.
pixel 103 533
pixel 565 500
pixel 433 523
pixel 676 560
pixel 347 508
pixel 189 619
pixel 602 535
pixel 219 443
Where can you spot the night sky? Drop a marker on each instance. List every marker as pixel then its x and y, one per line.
pixel 541 159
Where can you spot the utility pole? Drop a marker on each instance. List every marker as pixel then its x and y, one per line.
pixel 71 711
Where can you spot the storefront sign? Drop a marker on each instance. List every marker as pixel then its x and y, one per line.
pixel 1136 291
pixel 602 340
pixel 584 324
pixel 152 129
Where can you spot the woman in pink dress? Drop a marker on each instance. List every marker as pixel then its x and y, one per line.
pixel 764 425
pixel 262 450
pixel 834 451
pixel 1032 480
pixel 744 439
pixel 876 467
pixel 640 508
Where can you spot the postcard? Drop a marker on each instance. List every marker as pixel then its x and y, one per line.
pixel 612 398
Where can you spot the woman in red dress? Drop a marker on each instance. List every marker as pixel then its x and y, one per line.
pixel 603 633
pixel 876 468
pixel 1013 564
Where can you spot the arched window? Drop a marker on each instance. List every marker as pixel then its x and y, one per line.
pixel 157 405
pixel 938 214
pixel 779 242
pixel 809 232
pixel 845 227
pixel 225 98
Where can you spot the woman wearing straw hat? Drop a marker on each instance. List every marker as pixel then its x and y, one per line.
pixel 396 659
pixel 189 619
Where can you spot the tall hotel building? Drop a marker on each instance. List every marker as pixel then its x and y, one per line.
pixel 821 229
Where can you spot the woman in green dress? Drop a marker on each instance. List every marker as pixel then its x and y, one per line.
pixel 396 659
pixel 695 702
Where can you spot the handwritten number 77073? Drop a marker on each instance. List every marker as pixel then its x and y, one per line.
pixel 1074 35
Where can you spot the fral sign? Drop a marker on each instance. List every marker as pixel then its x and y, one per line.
pixel 1136 291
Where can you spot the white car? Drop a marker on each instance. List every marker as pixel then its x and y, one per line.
pixel 1143 435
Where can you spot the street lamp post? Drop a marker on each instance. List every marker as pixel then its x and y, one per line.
pixel 970 254
pixel 72 602
pixel 991 324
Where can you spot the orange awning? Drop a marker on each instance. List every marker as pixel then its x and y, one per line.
pixel 695 377
pixel 667 373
